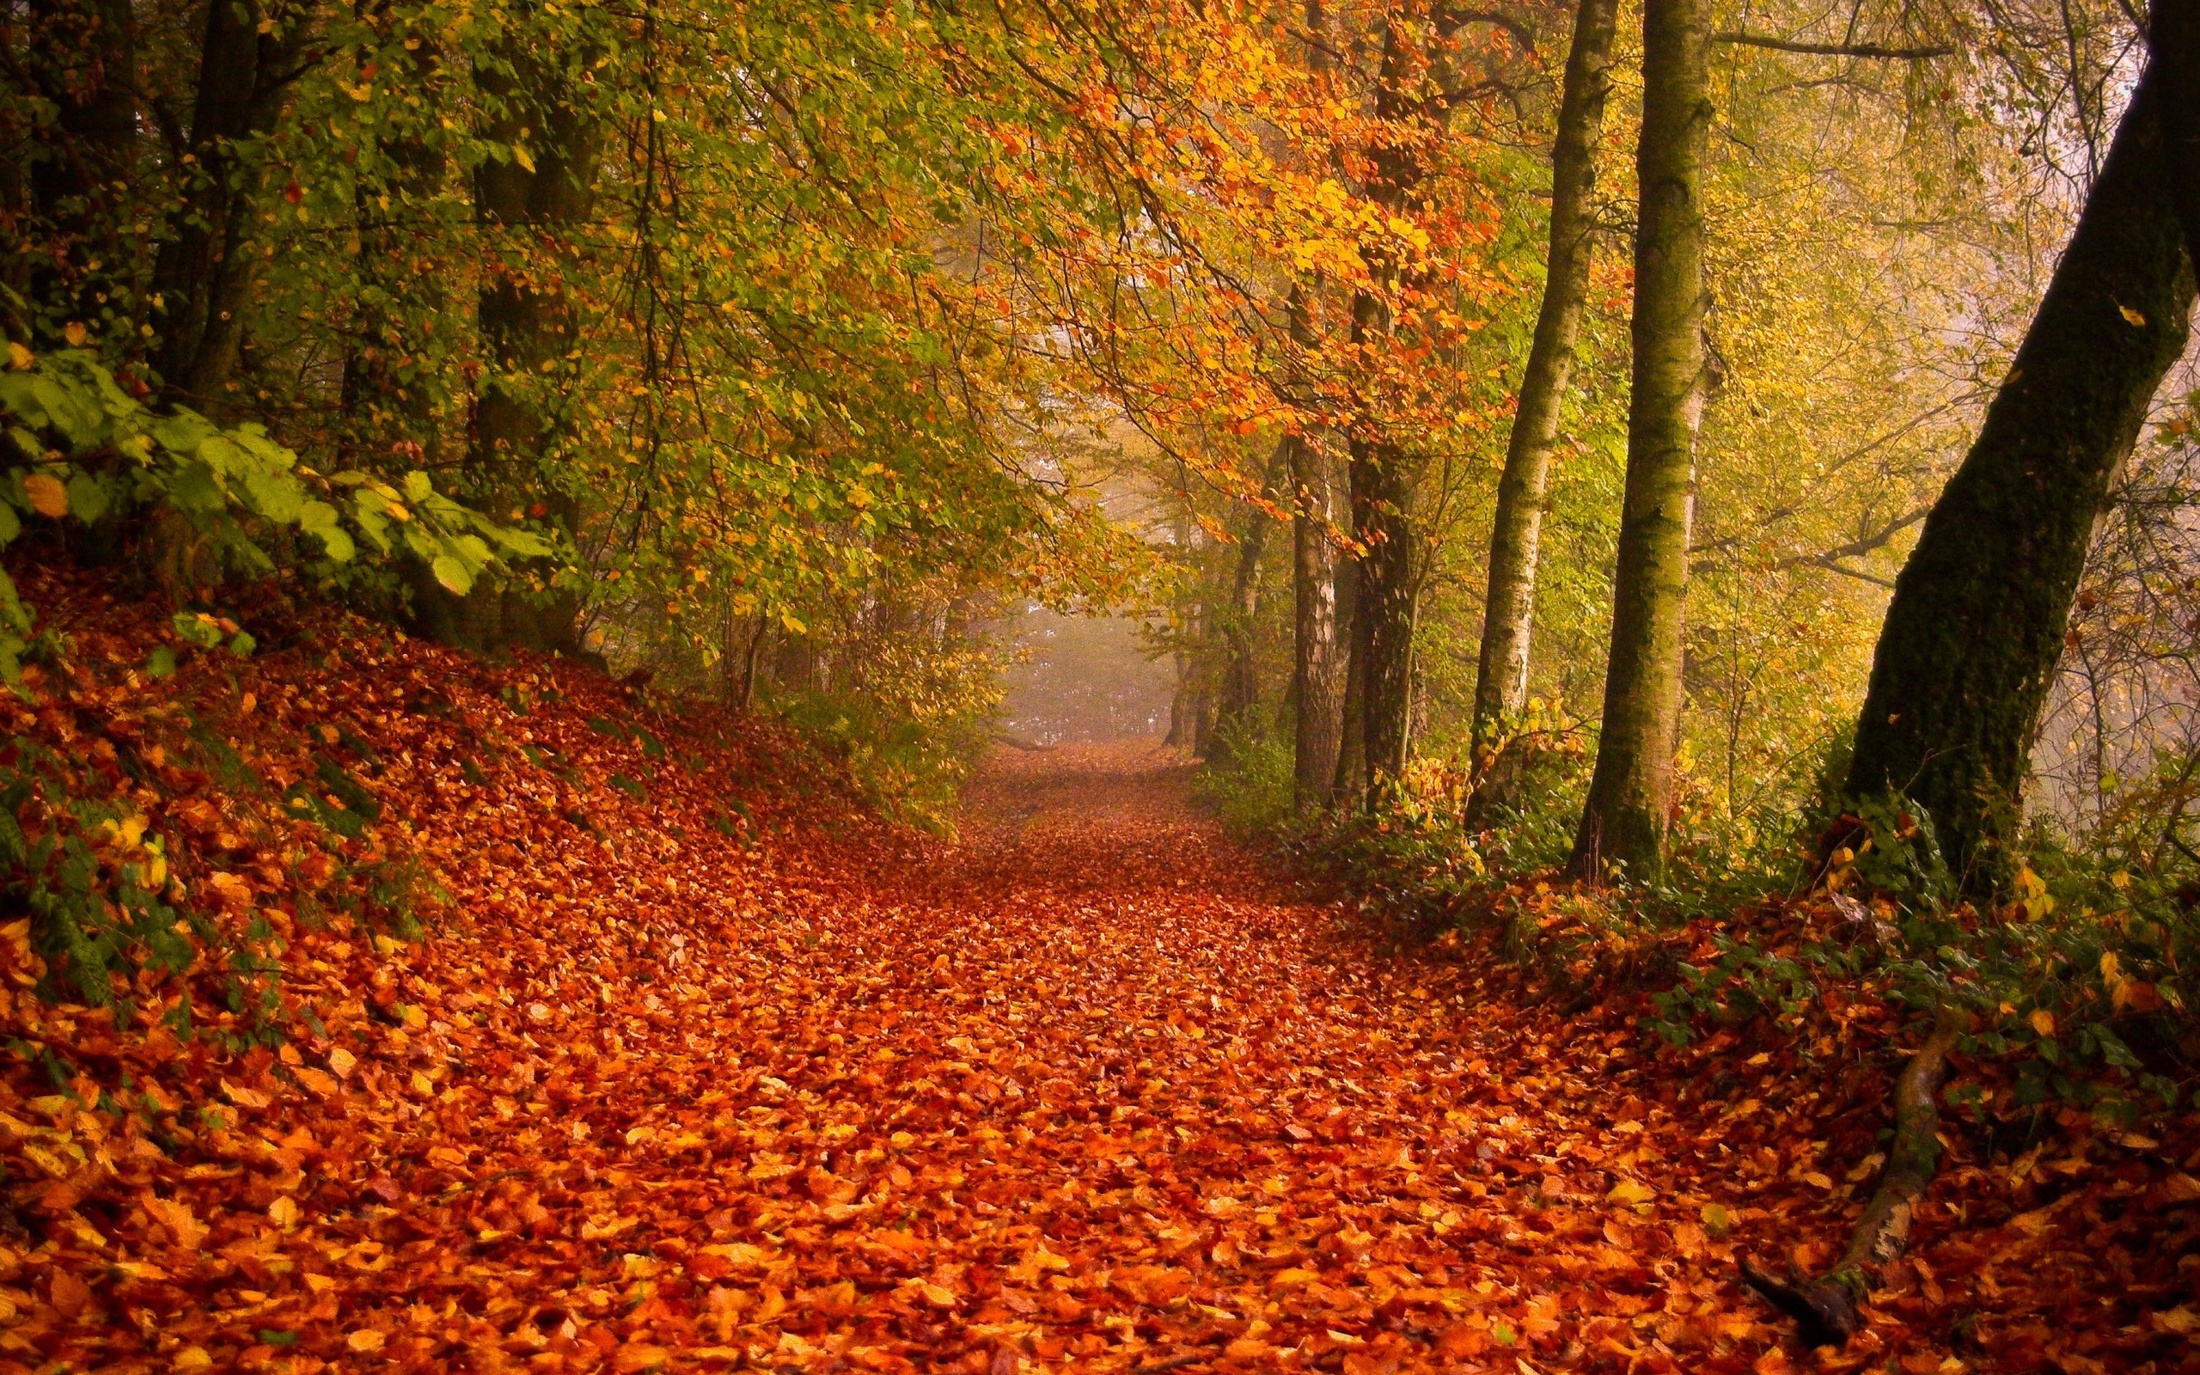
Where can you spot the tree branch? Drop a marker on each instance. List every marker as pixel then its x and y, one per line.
pixel 1789 45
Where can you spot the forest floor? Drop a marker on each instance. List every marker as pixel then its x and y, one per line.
pixel 1087 1088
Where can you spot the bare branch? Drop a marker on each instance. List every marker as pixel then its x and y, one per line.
pixel 1872 50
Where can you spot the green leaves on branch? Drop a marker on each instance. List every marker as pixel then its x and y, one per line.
pixel 82 448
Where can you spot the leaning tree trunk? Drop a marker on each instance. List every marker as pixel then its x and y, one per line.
pixel 1624 820
pixel 1508 617
pixel 532 217
pixel 1976 625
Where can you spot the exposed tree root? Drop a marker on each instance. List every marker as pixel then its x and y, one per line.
pixel 1826 1309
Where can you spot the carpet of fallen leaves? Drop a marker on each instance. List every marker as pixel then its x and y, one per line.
pixel 697 1067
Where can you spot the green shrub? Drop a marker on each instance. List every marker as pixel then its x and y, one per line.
pixel 1247 777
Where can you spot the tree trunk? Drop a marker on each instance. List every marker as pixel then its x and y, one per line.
pixel 531 216
pixel 82 57
pixel 1385 477
pixel 2175 45
pixel 1508 618
pixel 388 392
pixel 203 277
pixel 1976 625
pixel 1240 694
pixel 1631 789
pixel 1316 688
pixel 1349 783
pixel 1390 575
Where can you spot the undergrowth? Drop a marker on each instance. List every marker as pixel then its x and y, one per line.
pixel 2074 982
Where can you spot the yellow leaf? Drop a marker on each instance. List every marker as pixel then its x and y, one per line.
pixel 76 334
pixel 283 1212
pixel 2042 1021
pixel 1631 1193
pixel 342 1062
pixel 2178 1319
pixel 365 1339
pixel 20 359
pixel 47 496
pixel 2132 316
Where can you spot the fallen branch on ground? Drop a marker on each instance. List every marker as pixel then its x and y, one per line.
pixel 1826 1309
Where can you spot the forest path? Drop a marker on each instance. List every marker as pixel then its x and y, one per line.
pixel 1110 1097
pixel 701 1066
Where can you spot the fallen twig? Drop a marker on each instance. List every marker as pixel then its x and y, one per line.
pixel 1825 1309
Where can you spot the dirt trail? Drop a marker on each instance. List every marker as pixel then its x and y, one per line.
pixel 1090 1090
pixel 702 1067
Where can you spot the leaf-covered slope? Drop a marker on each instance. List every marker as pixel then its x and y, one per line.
pixel 1087 1090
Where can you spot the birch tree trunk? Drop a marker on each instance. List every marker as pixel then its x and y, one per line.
pixel 1624 821
pixel 1508 618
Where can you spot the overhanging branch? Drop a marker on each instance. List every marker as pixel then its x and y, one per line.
pixel 1872 50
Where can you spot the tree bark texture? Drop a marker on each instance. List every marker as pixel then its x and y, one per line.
pixel 1390 576
pixel 1508 617
pixel 2174 40
pixel 1316 686
pixel 1977 622
pixel 1625 818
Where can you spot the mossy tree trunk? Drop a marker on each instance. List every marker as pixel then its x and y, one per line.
pixel 1624 821
pixel 1508 617
pixel 1976 625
